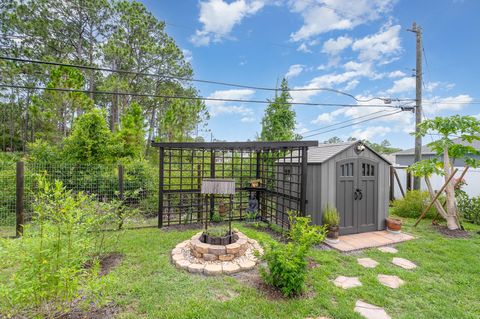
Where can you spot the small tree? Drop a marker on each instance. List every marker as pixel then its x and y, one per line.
pixel 467 128
pixel 132 132
pixel 278 123
pixel 91 139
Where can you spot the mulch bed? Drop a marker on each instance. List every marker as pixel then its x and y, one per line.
pixel 456 233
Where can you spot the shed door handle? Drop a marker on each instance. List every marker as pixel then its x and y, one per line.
pixel 355 195
pixel 359 193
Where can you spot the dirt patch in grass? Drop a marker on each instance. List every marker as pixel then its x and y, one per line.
pixel 312 263
pixel 107 262
pixel 253 279
pixel 456 233
pixel 225 295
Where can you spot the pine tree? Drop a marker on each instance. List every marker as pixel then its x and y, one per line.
pixel 278 123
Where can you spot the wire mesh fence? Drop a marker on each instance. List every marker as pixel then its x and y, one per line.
pixel 7 198
pixel 279 172
pixel 138 186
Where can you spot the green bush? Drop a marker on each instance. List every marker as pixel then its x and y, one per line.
pixel 47 265
pixel 287 263
pixel 469 207
pixel 412 205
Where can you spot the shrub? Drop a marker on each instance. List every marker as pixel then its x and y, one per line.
pixel 469 207
pixel 413 204
pixel 287 263
pixel 287 267
pixel 48 263
pixel 331 216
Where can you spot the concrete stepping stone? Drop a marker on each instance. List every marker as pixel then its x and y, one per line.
pixel 347 282
pixel 390 281
pixel 367 262
pixel 317 318
pixel 370 311
pixel 404 263
pixel 388 249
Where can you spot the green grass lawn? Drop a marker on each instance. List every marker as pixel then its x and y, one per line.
pixel 446 283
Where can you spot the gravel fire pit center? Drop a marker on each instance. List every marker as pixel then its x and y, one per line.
pixel 196 256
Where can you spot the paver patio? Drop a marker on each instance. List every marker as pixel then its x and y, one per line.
pixel 368 240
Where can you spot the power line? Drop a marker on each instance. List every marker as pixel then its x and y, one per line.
pixel 182 96
pixel 343 122
pixel 260 88
pixel 338 128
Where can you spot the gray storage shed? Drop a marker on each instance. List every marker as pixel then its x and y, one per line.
pixel 349 176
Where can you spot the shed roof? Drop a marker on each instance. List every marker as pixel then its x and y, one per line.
pixel 428 151
pixel 323 152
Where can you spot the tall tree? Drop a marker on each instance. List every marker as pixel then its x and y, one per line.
pixel 278 123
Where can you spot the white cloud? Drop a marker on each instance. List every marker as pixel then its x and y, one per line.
pixel 304 48
pixel 219 17
pixel 324 118
pixel 406 84
pixel 334 46
pixel 188 55
pixel 294 70
pixel 382 44
pixel 396 74
pixel 369 132
pixel 351 85
pixel 320 16
pixel 217 108
pixel 451 103
pixel 354 70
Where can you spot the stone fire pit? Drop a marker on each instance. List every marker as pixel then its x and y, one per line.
pixel 198 257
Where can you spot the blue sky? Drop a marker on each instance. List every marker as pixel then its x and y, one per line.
pixel 361 47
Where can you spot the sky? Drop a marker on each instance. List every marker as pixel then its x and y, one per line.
pixel 362 47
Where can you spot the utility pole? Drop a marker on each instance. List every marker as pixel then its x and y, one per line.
pixel 418 98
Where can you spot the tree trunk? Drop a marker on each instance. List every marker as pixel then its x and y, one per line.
pixel 437 204
pixel 451 209
pixel 150 131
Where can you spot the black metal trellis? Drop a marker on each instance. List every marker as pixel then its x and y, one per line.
pixel 281 168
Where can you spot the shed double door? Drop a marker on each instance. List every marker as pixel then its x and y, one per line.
pixel 356 195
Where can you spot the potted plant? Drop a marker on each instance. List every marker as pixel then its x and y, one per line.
pixel 394 225
pixel 331 218
pixel 255 183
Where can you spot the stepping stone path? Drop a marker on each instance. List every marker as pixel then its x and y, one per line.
pixel 370 311
pixel 404 263
pixel 388 249
pixel 367 262
pixel 347 282
pixel 390 281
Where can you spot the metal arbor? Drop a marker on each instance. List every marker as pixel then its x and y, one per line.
pixel 183 165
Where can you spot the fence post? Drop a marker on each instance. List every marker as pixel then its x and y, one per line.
pixel 121 184
pixel 20 186
pixel 392 184
pixel 303 184
pixel 212 175
pixel 409 180
pixel 160 186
